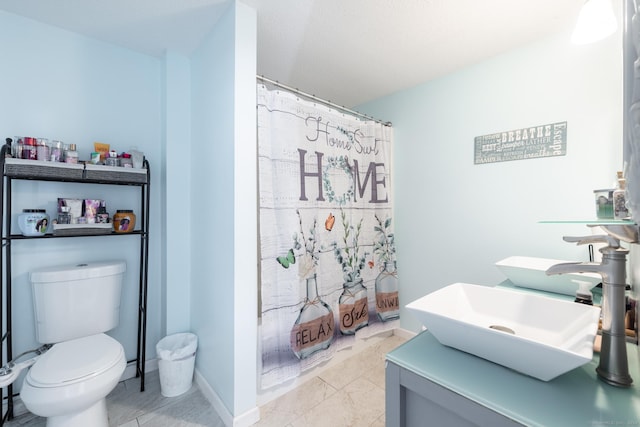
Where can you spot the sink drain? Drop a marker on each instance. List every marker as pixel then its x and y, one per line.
pixel 503 329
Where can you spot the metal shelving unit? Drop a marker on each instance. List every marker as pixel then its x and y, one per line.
pixel 43 172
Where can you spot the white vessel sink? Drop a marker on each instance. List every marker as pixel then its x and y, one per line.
pixel 530 272
pixel 538 336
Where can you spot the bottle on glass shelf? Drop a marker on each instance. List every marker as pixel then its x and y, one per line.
pixel 620 210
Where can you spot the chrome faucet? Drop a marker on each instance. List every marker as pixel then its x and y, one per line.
pixel 613 367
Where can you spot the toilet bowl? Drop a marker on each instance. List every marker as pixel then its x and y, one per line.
pixel 69 383
pixel 78 365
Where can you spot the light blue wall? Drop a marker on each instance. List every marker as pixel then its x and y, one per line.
pixel 223 190
pixel 454 219
pixel 61 85
pixel 212 189
pixel 177 200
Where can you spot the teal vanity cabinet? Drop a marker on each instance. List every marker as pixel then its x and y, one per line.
pixel 429 384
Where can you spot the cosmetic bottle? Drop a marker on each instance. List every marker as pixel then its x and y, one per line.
pixel 64 215
pixel 102 216
pixel 71 155
pixel 620 210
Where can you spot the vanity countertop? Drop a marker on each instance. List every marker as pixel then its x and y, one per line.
pixel 576 398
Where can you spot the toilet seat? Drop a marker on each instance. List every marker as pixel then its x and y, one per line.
pixel 75 361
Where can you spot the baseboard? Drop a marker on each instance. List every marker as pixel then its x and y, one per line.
pixel 244 420
pixel 247 419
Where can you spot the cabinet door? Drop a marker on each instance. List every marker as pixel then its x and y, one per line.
pixel 411 400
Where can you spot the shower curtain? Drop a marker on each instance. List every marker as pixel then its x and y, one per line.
pixel 327 263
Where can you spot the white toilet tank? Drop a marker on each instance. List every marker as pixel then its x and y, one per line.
pixel 75 301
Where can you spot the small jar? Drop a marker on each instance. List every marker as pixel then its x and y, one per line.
pixel 29 150
pixel 71 155
pixel 124 221
pixel 95 158
pixel 64 216
pixel 102 217
pixel 16 147
pixel 43 150
pixel 33 222
pixel 126 161
pixel 604 203
pixel 56 151
pixel 112 161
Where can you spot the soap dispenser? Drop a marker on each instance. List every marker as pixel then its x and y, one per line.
pixel 583 294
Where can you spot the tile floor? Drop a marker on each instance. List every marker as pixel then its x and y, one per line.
pixel 128 407
pixel 350 393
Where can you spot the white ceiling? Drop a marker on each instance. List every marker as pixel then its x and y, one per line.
pixel 346 51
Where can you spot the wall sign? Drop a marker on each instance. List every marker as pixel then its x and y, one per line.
pixel 519 144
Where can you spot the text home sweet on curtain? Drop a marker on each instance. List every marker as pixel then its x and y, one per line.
pixel 328 261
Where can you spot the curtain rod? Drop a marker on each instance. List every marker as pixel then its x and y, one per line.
pixel 320 100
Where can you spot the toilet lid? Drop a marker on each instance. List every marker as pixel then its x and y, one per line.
pixel 75 360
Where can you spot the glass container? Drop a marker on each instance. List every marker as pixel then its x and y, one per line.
pixel 43 150
pixel 604 203
pixel 124 221
pixel 64 215
pixel 70 154
pixel 55 151
pixel 29 150
pixel 16 147
pixel 33 222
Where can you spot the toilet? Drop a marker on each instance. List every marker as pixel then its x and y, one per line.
pixel 74 306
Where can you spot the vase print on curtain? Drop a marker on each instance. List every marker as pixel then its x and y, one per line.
pixel 323 177
pixel 387 302
pixel 313 330
pixel 353 306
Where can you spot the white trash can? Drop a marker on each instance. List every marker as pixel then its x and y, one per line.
pixel 176 360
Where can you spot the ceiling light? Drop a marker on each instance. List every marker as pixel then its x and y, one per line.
pixel 595 22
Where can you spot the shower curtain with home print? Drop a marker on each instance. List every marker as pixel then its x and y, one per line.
pixel 328 261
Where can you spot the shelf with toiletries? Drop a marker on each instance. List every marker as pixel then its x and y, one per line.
pixel 75 218
pixel 77 172
pixel 612 208
pixel 60 177
pixel 78 232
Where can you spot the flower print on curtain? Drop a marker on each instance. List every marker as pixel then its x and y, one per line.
pixel 327 262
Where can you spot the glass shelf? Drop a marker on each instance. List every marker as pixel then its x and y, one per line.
pixel 591 222
pixel 624 230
